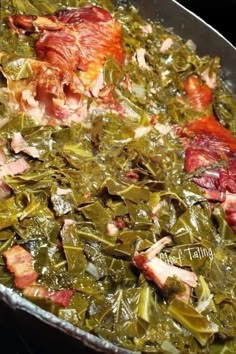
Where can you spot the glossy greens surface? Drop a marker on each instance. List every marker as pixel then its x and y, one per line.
pixel 107 172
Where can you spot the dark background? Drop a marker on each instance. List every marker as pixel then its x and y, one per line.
pixel 218 14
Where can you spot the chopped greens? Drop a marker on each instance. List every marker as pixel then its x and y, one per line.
pixel 104 190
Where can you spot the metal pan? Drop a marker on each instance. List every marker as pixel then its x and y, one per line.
pixel 53 334
pixel 189 26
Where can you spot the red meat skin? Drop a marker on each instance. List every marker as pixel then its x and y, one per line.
pixel 207 143
pixel 72 48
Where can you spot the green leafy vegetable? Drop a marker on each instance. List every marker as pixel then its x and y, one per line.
pixel 201 328
pixel 108 188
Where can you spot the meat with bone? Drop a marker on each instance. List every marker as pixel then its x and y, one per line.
pixel 211 150
pixel 158 271
pixel 71 50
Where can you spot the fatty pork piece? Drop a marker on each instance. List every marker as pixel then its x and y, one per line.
pixel 159 271
pixel 20 263
pixel 72 48
pixel 60 297
pixel 210 156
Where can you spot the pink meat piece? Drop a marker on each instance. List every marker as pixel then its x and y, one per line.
pixel 158 271
pixel 18 144
pixel 168 42
pixel 13 168
pixel 112 229
pixel 62 297
pixel 141 60
pixel 146 29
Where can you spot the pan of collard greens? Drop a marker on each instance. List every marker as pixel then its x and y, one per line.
pixel 118 177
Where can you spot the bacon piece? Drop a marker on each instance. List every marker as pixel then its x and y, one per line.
pixel 199 95
pixel 49 92
pixel 62 297
pixel 18 144
pixel 36 291
pixel 19 262
pixel 158 271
